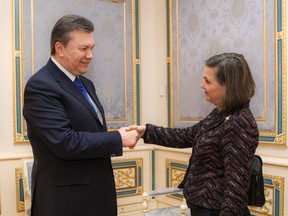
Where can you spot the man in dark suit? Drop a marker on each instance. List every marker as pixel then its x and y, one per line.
pixel 72 172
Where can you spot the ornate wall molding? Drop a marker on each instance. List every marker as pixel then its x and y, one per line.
pixel 274 188
pixel 254 28
pixel 274 194
pixel 116 65
pixel 20 202
pixel 128 174
pixel 14 156
pixel 129 178
pixel 175 171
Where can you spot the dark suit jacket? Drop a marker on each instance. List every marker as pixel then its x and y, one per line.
pixel 72 172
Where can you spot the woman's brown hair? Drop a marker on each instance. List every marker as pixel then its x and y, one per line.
pixel 234 73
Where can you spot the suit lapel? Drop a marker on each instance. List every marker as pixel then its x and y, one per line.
pixel 69 87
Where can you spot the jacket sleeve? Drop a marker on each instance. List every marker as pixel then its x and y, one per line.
pixel 171 137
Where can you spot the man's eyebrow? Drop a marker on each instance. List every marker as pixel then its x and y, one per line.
pixel 87 45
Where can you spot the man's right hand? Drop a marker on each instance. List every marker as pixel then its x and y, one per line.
pixel 129 137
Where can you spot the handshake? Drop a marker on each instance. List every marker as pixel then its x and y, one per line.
pixel 131 134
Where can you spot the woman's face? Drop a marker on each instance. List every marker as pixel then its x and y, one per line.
pixel 214 92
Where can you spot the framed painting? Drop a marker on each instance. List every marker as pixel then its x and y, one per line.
pixel 253 28
pixel 116 54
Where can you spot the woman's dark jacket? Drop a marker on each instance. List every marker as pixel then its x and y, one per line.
pixel 219 170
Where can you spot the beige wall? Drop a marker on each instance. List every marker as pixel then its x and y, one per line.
pixel 153 61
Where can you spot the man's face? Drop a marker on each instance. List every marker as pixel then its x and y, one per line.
pixel 77 54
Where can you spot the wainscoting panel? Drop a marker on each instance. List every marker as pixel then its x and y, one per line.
pixel 128 174
pixel 174 163
pixel 134 174
pixel 20 200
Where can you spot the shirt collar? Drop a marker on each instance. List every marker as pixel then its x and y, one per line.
pixel 66 72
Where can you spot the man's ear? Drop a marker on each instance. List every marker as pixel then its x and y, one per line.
pixel 59 49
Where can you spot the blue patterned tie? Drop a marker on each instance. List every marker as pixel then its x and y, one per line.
pixel 77 82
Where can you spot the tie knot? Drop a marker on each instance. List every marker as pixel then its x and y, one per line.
pixel 77 82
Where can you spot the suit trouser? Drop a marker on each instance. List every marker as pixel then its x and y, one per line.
pixel 200 211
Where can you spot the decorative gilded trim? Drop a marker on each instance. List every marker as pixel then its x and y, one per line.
pixel 278 133
pixel 170 63
pixel 274 188
pixel 27 165
pixel 153 168
pixel 131 109
pixel 128 174
pixel 175 171
pixel 20 133
pixel 136 60
pixel 274 195
pixel 20 200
